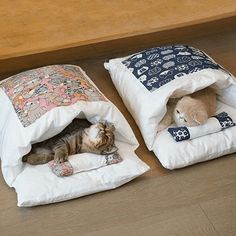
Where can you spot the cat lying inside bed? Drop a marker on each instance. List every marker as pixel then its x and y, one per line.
pixel 191 110
pixel 78 137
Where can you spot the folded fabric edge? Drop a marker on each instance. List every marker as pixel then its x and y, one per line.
pixel 220 122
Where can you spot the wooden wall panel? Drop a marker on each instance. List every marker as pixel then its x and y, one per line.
pixel 116 47
pixel 35 33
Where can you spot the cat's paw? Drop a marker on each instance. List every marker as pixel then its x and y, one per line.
pixel 60 158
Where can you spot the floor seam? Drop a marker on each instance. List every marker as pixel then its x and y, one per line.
pixel 209 219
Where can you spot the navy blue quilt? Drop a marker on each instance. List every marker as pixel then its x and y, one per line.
pixel 158 66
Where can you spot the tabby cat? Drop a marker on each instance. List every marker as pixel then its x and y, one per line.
pixel 80 136
pixel 191 110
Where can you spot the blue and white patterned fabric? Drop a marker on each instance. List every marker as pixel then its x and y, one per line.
pixel 214 124
pixel 158 66
pixel 146 81
pixel 179 133
pixel 225 120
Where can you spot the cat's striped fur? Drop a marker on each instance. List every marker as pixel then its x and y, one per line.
pixel 80 136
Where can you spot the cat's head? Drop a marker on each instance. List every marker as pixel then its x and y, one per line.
pixel 101 136
pixel 189 112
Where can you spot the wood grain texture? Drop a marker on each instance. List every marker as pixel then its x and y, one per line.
pixel 183 221
pixel 36 33
pixel 197 200
pixel 116 47
pixel 58 24
pixel 222 213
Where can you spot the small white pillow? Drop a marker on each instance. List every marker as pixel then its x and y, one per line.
pixel 213 125
pixel 83 162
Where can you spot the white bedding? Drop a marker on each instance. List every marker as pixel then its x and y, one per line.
pixel 174 154
pixel 147 79
pixel 37 185
pixel 36 105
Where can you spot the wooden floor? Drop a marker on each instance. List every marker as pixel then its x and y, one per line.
pixel 197 200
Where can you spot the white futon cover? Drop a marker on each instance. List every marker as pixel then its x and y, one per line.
pixel 147 79
pixel 38 104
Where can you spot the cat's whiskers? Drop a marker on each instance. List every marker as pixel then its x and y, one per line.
pixel 97 138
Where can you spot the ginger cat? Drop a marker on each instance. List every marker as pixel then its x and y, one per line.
pixel 191 110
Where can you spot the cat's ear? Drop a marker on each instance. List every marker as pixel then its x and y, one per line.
pixel 200 117
pixel 110 126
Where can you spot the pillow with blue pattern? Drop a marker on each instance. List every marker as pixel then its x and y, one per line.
pixel 213 125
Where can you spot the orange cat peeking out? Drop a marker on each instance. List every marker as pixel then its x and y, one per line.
pixel 191 110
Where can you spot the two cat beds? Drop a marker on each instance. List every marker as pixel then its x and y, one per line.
pixel 38 104
pixel 147 79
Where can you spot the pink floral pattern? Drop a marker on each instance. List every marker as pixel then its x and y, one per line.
pixel 62 169
pixel 37 91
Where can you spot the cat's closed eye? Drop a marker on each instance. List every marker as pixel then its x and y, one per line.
pixel 177 111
